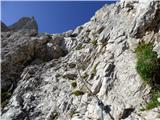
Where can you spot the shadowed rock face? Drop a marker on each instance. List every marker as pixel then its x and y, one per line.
pixel 102 50
pixel 4 28
pixel 22 46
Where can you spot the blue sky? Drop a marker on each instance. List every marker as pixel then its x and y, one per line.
pixel 52 17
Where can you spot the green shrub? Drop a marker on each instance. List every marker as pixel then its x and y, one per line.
pixel 94 42
pixel 78 93
pixel 74 84
pixel 153 102
pixel 148 67
pixel 79 47
pixel 147 62
pixel 142 109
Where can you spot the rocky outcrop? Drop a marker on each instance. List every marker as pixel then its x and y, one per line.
pixel 4 28
pixel 99 54
pixel 24 47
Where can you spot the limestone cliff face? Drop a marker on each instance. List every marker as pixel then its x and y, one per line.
pixel 100 53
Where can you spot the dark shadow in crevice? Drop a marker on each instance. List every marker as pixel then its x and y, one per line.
pixel 127 112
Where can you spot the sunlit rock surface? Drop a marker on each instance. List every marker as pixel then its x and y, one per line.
pixel 101 50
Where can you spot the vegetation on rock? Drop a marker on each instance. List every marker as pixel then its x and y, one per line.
pixel 94 42
pixel 72 113
pixel 79 47
pixel 5 98
pixel 78 93
pixel 148 67
pixel 94 69
pixel 148 63
pixel 74 84
pixel 85 76
pixel 155 95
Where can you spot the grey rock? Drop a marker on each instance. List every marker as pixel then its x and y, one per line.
pixel 146 20
pixel 96 87
pixel 44 88
pixel 70 76
pixel 108 69
pixel 99 29
pixel 22 48
pixel 157 49
pixel 103 38
pixel 77 30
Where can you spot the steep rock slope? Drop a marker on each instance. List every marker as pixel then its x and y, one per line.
pixel 101 55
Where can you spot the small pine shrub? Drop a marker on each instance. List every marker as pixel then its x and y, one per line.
pixel 74 84
pixel 78 93
pixel 94 42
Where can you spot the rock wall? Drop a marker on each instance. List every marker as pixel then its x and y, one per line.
pixel 22 46
pixel 101 55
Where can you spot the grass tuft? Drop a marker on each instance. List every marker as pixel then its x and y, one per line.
pixel 94 42
pixel 78 93
pixel 154 100
pixel 79 47
pixel 148 67
pixel 147 61
pixel 72 113
pixel 95 69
